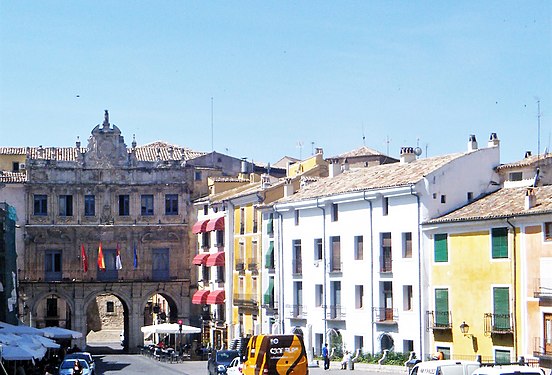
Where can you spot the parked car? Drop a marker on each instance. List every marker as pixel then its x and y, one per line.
pixel 235 367
pixel 66 367
pixel 445 367
pixel 219 360
pixel 86 356
pixel 509 370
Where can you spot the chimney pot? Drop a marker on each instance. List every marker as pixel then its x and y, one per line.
pixel 530 199
pixel 472 143
pixel 527 154
pixel 407 155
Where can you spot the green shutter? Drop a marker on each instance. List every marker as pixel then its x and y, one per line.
pixel 268 296
pixel 441 248
pixel 269 257
pixel 500 242
pixel 441 307
pixel 501 299
pixel 270 225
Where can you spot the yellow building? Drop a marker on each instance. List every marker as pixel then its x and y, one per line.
pixel 488 292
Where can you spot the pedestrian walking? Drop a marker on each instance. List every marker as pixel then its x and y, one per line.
pixel 326 357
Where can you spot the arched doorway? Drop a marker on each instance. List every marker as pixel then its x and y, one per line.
pixel 52 311
pixel 107 324
pixel 161 308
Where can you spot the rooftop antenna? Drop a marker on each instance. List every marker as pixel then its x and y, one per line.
pixel 363 137
pixel 538 131
pixel 387 141
pixel 300 147
pixel 212 136
pixel 312 148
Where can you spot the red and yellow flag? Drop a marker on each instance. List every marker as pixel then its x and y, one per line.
pixel 101 260
pixel 84 259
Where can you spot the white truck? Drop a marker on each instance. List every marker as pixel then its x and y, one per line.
pixel 445 367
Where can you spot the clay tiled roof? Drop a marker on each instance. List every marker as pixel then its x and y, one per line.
pixel 359 152
pixel 164 151
pixel 506 202
pixel 12 177
pixel 149 152
pixel 526 162
pixel 374 177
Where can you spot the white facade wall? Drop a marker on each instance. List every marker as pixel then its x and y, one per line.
pixel 439 192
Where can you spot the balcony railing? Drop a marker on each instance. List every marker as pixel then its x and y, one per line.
pixel 382 314
pixel 336 266
pixel 335 312
pixel 297 267
pixel 541 347
pixel 240 265
pixel 296 311
pixel 386 264
pixel 543 288
pixel 498 323
pixel 439 320
pixel 252 264
pixel 245 299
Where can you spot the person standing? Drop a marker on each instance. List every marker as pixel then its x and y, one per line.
pixel 326 357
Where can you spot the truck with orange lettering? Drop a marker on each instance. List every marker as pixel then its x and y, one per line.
pixel 275 354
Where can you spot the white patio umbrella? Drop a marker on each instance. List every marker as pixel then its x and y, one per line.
pixel 19 330
pixel 60 333
pixel 168 328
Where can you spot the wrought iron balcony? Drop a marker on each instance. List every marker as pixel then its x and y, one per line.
pixel 498 323
pixel 335 312
pixel 385 315
pixel 439 320
pixel 296 311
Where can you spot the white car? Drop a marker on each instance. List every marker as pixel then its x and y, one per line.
pixel 235 367
pixel 66 367
pixel 86 356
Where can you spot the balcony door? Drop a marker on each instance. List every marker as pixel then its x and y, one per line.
pixel 548 333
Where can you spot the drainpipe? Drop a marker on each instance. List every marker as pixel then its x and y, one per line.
pixel 325 269
pixel 371 268
pixel 229 271
pixel 281 288
pixel 413 192
pixel 514 309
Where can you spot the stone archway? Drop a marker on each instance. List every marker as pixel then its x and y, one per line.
pixel 107 315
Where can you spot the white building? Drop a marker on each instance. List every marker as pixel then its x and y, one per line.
pixel 348 247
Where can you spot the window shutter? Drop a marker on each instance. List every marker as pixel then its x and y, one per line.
pixel 441 307
pixel 501 299
pixel 500 242
pixel 441 249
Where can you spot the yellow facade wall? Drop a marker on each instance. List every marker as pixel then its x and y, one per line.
pixel 470 275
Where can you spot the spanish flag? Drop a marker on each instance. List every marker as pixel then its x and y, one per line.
pixel 84 259
pixel 101 261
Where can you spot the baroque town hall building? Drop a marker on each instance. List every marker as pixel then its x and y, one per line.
pixel 133 203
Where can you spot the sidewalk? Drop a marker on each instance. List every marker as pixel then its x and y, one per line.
pixel 368 367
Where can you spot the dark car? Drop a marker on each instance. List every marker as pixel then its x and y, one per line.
pixel 219 360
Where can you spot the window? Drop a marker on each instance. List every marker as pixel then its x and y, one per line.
pixel 65 205
pixel 386 255
pixel 52 307
pixel 335 213
pixel 470 196
pixel 124 205
pixel 335 260
pixel 499 243
pixel 407 244
pixel 205 209
pixel 441 308
pixel 359 296
pixel 220 238
pixel 440 248
pixel 385 206
pixel 296 213
pixel 407 297
pixel 408 346
pixel 318 295
pixel 110 307
pixel 40 205
pixel 255 220
pixel 318 249
pixel 220 274
pixel 359 247
pixel 297 260
pixel 270 224
pixel 359 343
pixel 197 175
pixel 160 264
pixel 445 350
pixel 501 306
pixel 147 205
pixel 502 356
pixel 206 240
pixel 443 198
pixel 15 166
pixel 548 231
pixel 52 265
pixel 516 176
pixel 242 220
pixel 171 204
pixel 89 205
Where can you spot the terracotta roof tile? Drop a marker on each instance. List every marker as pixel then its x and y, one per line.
pixel 506 202
pixel 528 161
pixel 373 177
pixel 12 177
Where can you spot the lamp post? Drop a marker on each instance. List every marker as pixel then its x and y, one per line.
pixel 180 336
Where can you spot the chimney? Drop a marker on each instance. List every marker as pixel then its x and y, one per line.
pixel 334 168
pixel 530 198
pixel 244 166
pixel 288 187
pixel 318 150
pixel 493 140
pixel 472 143
pixel 265 181
pixel 407 155
pixel 527 154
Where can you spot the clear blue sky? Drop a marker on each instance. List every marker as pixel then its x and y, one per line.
pixel 280 73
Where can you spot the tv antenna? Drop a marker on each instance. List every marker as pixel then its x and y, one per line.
pixel 300 147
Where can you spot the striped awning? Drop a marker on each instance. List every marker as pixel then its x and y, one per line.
pixel 200 297
pixel 215 224
pixel 216 297
pixel 215 259
pixel 200 226
pixel 200 259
